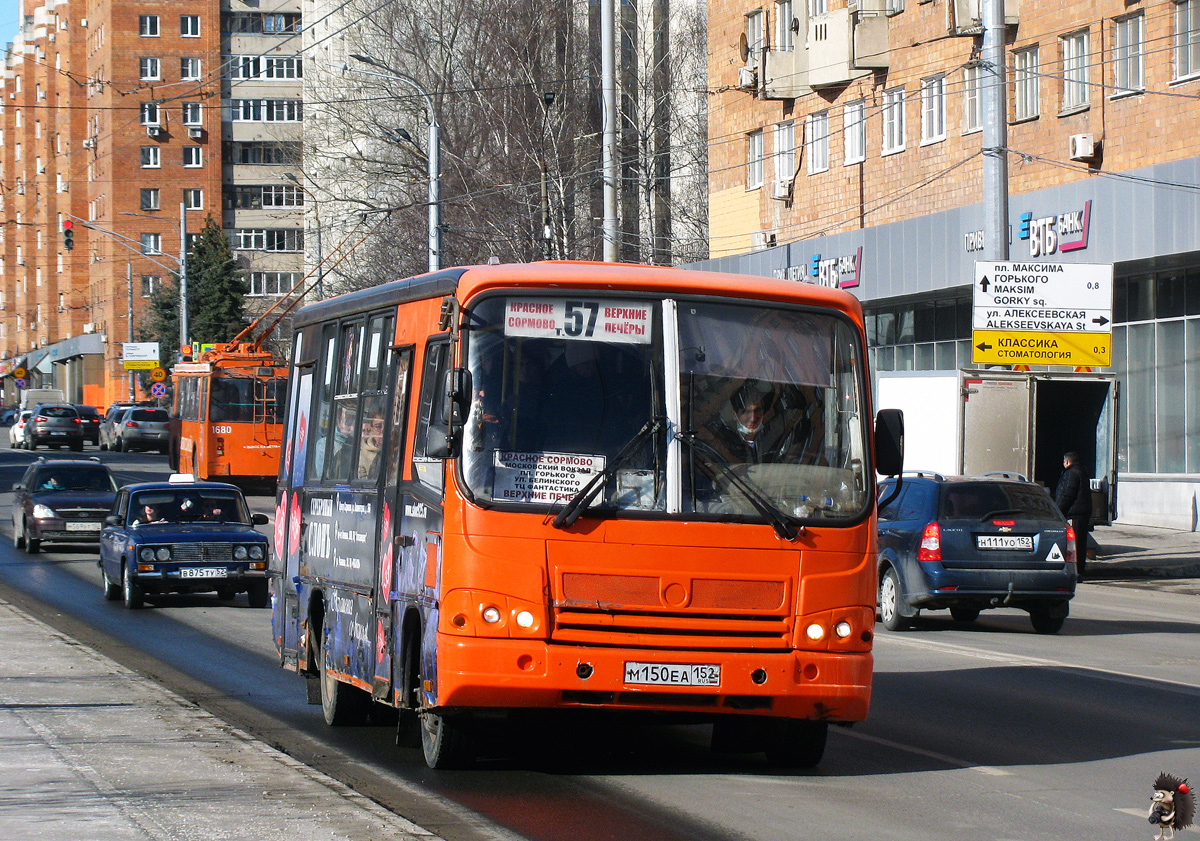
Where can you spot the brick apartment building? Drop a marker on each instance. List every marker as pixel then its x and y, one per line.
pixel 118 118
pixel 845 148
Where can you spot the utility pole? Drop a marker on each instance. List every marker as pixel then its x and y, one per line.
pixel 995 134
pixel 608 84
pixel 129 316
pixel 183 301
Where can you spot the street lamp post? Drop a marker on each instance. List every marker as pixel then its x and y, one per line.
pixel 432 156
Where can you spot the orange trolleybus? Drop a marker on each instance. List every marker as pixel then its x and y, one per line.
pixel 227 421
pixel 567 486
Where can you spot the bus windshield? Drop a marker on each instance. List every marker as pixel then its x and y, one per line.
pixel 699 408
pixel 233 399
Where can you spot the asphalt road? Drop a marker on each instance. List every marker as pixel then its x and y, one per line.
pixel 984 731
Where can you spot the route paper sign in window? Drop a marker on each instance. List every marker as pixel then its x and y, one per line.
pixel 542 477
pixel 598 320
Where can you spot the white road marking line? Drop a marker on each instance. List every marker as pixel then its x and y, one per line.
pixel 940 757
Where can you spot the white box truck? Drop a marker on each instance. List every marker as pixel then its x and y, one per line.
pixel 30 397
pixel 976 421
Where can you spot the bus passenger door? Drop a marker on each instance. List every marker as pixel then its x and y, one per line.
pixel 390 533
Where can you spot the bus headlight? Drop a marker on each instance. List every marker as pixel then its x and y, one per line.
pixel 814 632
pixel 525 619
pixel 842 629
pixel 491 614
pixel 240 553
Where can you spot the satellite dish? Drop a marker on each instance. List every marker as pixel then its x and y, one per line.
pixel 744 47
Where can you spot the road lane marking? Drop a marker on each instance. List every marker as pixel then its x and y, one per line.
pixel 940 757
pixel 1025 660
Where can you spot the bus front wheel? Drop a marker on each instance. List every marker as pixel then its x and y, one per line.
pixel 797 743
pixel 445 741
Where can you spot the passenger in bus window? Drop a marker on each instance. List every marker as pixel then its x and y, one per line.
pixel 742 433
pixel 372 443
pixel 343 444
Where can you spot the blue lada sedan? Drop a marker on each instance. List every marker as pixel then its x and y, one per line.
pixel 182 537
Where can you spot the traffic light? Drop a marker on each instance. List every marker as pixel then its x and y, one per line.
pixel 68 234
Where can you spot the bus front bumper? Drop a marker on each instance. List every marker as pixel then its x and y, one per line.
pixel 505 673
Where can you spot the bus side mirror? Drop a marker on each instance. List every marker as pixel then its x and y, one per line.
pixel 458 395
pixel 889 442
pixel 437 441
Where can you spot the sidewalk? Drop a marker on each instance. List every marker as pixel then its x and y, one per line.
pixel 93 751
pixel 1133 552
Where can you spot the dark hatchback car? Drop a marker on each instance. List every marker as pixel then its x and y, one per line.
pixel 973 543
pixel 142 428
pixel 182 537
pixel 89 420
pixel 61 500
pixel 55 425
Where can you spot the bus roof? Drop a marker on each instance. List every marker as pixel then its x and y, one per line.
pixel 466 282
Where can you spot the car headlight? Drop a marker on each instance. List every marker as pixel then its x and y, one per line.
pixel 240 553
pixel 256 553
pixel 147 554
pixel 43 512
pixel 163 554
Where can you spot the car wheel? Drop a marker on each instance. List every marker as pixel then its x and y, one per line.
pixel 258 593
pixel 131 591
pixel 796 743
pixel 112 591
pixel 116 445
pixel 103 447
pixel 32 544
pixel 891 600
pixel 964 614
pixel 1044 622
pixel 226 593
pixel 343 705
pixel 77 447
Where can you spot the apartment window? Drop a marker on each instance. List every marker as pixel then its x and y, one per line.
pixel 817 141
pixel 258 152
pixel 249 240
pixel 193 199
pixel 192 114
pixel 854 131
pixel 1075 70
pixel 893 121
pixel 972 99
pixel 289 67
pixel 265 110
pixel 152 243
pixel 1187 38
pixel 149 69
pixel 817 7
pixel 272 239
pixel 756 33
pixel 280 24
pixel 189 26
pixel 148 26
pixel 754 160
pixel 150 283
pixel 243 66
pixel 784 39
pixel 192 156
pixel 254 23
pixel 150 114
pixel 785 152
pixel 1128 54
pixel 933 109
pixel 1026 83
pixel 151 157
pixel 189 69
pixel 149 199
pixel 272 283
pixel 282 196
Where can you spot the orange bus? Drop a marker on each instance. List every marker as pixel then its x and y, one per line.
pixel 570 486
pixel 227 421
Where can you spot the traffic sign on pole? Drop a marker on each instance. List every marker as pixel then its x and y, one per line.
pixel 158 374
pixel 1042 314
pixel 158 390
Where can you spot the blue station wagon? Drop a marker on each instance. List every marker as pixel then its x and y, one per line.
pixel 182 537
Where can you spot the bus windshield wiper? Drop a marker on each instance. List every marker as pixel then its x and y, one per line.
pixel 583 497
pixel 784 526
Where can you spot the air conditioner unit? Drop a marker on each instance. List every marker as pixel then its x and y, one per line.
pixel 781 189
pixel 195 132
pixel 1081 147
pixel 89 143
pixel 41 169
pixel 89 327
pixel 154 131
pixel 747 78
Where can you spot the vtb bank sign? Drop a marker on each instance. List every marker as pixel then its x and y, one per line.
pixel 1046 235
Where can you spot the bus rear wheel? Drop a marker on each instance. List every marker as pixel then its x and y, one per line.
pixel 343 705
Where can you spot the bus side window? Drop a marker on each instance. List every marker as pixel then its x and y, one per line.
pixel 430 412
pixel 398 428
pixel 319 437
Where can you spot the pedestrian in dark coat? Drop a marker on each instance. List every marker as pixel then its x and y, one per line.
pixel 1073 495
